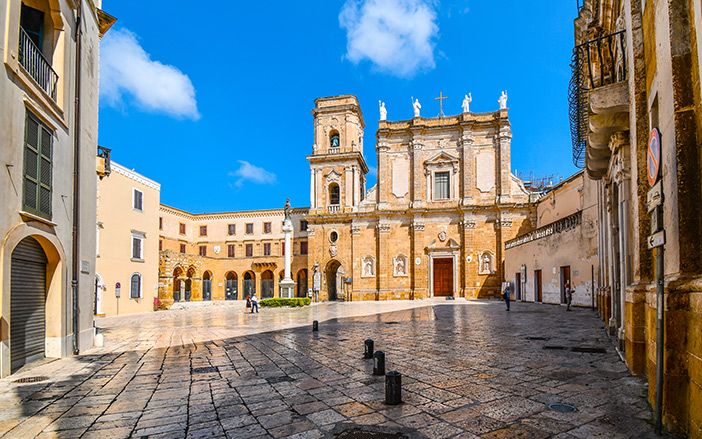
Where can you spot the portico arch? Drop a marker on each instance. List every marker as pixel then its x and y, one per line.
pixel 334 275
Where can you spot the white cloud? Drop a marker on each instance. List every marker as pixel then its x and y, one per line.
pixel 249 172
pixel 397 36
pixel 127 69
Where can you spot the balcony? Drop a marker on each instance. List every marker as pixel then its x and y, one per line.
pixel 103 164
pixel 599 100
pixel 34 63
pixel 334 208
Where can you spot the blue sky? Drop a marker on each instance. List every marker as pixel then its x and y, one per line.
pixel 215 103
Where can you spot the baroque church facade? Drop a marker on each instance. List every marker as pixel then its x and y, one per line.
pixel 437 220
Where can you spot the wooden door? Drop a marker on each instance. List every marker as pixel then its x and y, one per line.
pixel 537 286
pixel 565 280
pixel 443 277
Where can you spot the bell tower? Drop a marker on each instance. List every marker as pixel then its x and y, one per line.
pixel 337 167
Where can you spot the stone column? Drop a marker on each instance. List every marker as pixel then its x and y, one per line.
pixel 383 176
pixel 419 273
pixel 348 186
pixel 287 285
pixel 382 259
pixel 313 178
pixel 505 179
pixel 418 195
pixel 467 159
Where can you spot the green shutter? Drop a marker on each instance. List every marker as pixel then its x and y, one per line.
pixel 37 168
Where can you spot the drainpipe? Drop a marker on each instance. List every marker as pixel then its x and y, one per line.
pixel 76 183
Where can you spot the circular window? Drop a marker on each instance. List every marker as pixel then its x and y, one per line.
pixel 333 236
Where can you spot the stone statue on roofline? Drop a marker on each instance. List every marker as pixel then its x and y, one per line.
pixel 467 99
pixel 383 111
pixel 417 107
pixel 503 100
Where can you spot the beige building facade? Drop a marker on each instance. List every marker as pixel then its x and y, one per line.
pixel 637 74
pixel 228 256
pixel 127 243
pixel 562 249
pixel 437 220
pixel 48 130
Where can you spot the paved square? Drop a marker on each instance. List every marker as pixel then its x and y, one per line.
pixel 470 369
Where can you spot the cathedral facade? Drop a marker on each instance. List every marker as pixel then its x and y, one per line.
pixel 436 222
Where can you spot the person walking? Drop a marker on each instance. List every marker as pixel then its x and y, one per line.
pixel 248 302
pixel 254 303
pixel 569 295
pixel 506 295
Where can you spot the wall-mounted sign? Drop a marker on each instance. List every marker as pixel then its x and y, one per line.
pixel 653 156
pixel 118 290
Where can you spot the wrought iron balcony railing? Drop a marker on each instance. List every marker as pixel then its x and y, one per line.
pixel 104 166
pixel 559 226
pixel 33 61
pixel 596 63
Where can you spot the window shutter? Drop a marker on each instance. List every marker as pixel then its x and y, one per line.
pixel 36 187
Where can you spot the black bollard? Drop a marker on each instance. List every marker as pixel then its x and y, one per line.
pixel 379 363
pixel 315 326
pixel 368 349
pixel 393 388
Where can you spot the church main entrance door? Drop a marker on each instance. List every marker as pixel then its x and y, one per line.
pixel 443 277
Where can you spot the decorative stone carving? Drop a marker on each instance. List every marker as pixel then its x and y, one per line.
pixel 333 176
pixel 399 264
pixel 442 236
pixel 332 251
pixel 384 228
pixel 469 224
pixel 368 266
pixel 355 230
pixel 418 226
pixel 216 249
pixel 486 263
pixel 417 261
pixel 505 223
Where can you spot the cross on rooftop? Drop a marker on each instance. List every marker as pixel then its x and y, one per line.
pixel 441 103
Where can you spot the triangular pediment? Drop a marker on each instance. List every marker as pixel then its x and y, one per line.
pixel 448 245
pixel 441 159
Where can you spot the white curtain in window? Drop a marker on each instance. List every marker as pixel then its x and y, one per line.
pixel 441 186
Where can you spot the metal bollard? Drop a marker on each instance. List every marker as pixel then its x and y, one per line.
pixel 368 349
pixel 379 363
pixel 315 326
pixel 393 388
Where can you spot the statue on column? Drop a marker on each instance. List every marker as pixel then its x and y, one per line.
pixel 383 111
pixel 503 100
pixel 467 99
pixel 288 209
pixel 416 106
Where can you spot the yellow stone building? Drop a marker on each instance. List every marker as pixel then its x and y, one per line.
pixel 437 220
pixel 637 72
pixel 229 255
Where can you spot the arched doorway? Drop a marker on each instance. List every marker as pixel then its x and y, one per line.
pixel 334 284
pixel 189 284
pixel 207 286
pixel 267 284
pixel 231 291
pixel 27 303
pixel 302 283
pixel 249 284
pixel 178 284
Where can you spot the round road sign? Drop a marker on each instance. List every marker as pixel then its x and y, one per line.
pixel 653 156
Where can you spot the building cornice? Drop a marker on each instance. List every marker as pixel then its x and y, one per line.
pixel 133 175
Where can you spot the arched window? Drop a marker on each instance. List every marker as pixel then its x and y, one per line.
pixel 207 286
pixel 302 283
pixel 231 291
pixel 334 141
pixel 334 194
pixel 267 284
pixel 135 286
pixel 249 284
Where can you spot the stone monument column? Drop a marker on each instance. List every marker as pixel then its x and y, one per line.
pixel 287 285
